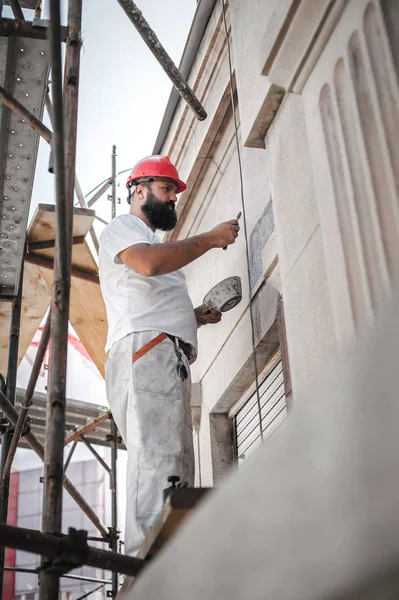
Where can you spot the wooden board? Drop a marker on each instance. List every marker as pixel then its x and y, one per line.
pixel 42 229
pixel 89 319
pixel 43 225
pixel 36 297
pixel 87 309
pixel 87 316
pixel 176 509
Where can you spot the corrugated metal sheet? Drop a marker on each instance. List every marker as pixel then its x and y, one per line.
pixel 273 412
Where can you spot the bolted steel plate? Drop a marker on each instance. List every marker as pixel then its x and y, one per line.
pixel 24 74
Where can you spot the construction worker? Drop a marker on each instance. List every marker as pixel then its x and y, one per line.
pixel 152 337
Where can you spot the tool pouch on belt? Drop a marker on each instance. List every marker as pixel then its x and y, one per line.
pixel 179 346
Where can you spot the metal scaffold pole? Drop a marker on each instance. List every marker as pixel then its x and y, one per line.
pixel 64 152
pixel 113 193
pixel 11 385
pixel 136 17
pixel 73 547
pixel 27 400
pixel 33 442
pixel 114 500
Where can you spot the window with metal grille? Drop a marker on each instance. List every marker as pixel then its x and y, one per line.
pixel 248 419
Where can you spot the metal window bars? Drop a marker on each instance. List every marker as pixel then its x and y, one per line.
pixel 60 553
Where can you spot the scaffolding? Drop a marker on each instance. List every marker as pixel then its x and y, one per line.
pixel 33 49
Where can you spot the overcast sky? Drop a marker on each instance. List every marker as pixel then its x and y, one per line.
pixel 123 92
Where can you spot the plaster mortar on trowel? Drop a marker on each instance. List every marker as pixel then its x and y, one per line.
pixel 225 295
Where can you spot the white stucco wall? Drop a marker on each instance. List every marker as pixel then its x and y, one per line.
pixel 308 313
pixel 248 21
pixel 283 167
pixel 206 156
pixel 225 348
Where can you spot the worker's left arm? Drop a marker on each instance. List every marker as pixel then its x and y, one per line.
pixel 206 316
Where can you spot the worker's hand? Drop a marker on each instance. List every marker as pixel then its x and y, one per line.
pixel 206 315
pixel 224 234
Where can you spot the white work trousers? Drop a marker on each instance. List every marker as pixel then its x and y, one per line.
pixel 151 406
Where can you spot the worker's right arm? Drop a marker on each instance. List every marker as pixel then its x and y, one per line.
pixel 158 259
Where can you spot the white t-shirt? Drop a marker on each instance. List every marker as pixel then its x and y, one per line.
pixel 138 303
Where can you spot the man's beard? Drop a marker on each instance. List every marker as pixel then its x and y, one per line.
pixel 162 215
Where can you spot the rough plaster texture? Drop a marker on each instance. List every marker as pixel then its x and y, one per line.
pixel 291 181
pixel 218 200
pixel 222 444
pixel 312 516
pixel 204 465
pixel 258 239
pixel 308 312
pixel 289 38
pixel 206 156
pixel 225 365
pixel 309 323
pixel 351 106
pixel 258 97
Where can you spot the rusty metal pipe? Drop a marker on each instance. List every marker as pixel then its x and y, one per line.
pixel 97 456
pixel 13 104
pixel 54 547
pixel 86 508
pixel 16 9
pixel 113 191
pixel 68 460
pixel 27 400
pixel 34 443
pixel 136 17
pixel 11 27
pixel 86 428
pixel 64 152
pixel 71 100
pixel 114 500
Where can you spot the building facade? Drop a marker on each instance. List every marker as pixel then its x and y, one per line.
pixel 26 498
pixel 315 87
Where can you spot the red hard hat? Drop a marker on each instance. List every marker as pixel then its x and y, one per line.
pixel 155 167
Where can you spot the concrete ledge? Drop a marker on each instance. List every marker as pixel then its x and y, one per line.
pixel 264 118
